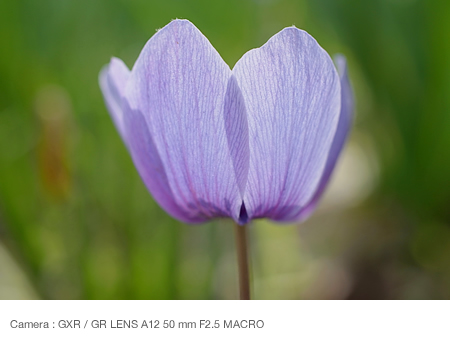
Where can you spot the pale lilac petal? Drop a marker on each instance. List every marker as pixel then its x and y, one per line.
pixel 113 80
pixel 179 85
pixel 236 127
pixel 292 96
pixel 133 130
pixel 340 137
pixel 149 165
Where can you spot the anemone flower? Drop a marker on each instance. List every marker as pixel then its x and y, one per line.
pixel 257 141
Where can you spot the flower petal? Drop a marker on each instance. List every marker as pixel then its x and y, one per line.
pixel 149 165
pixel 113 80
pixel 340 137
pixel 292 96
pixel 179 85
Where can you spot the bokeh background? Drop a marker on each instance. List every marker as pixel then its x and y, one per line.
pixel 76 222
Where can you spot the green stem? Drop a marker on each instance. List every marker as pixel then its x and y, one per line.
pixel 242 258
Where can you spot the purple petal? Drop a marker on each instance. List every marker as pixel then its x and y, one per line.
pixel 292 95
pixel 180 91
pixel 113 80
pixel 133 130
pixel 344 124
pixel 149 165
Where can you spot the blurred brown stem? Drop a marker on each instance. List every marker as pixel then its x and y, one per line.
pixel 242 258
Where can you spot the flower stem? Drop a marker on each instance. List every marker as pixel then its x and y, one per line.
pixel 242 258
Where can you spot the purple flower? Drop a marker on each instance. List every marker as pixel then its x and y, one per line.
pixel 260 140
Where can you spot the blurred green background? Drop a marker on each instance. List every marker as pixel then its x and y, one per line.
pixel 77 222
